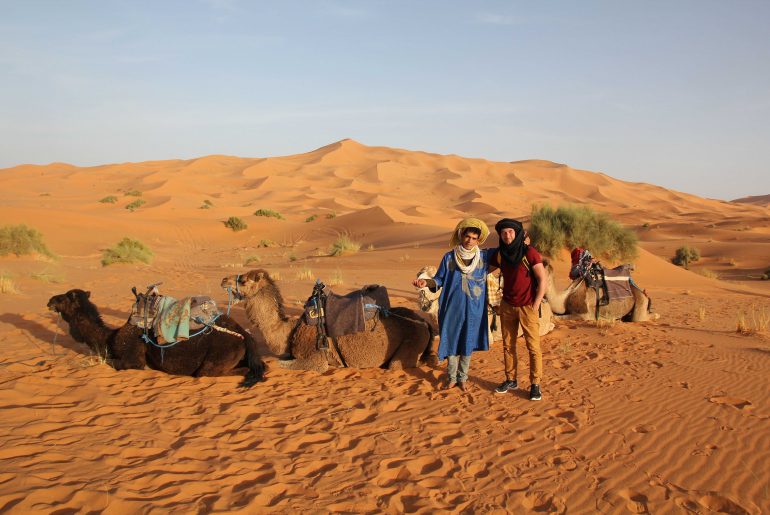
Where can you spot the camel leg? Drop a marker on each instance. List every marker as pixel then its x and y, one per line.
pixel 408 353
pixel 316 362
pixel 641 305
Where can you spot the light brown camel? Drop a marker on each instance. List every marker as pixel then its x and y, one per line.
pixel 211 353
pixel 578 302
pixel 428 302
pixel 401 340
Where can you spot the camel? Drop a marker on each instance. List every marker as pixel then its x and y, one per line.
pixel 398 340
pixel 578 302
pixel 208 354
pixel 428 302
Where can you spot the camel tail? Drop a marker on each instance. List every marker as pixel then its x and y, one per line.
pixel 257 367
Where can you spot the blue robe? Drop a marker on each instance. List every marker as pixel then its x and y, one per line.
pixel 462 318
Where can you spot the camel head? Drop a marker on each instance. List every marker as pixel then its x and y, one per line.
pixel 70 303
pixel 247 285
pixel 426 299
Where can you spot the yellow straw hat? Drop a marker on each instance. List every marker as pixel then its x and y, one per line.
pixel 464 224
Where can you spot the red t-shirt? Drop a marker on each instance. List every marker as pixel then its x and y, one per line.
pixel 519 288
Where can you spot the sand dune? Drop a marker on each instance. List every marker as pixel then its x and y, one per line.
pixel 661 417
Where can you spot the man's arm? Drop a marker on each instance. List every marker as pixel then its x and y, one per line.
pixel 542 276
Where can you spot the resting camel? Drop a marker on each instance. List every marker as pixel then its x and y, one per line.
pixel 401 340
pixel 578 302
pixel 208 354
pixel 428 302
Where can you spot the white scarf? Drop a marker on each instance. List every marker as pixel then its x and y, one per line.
pixel 462 255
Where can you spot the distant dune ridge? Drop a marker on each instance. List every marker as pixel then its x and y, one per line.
pixel 657 417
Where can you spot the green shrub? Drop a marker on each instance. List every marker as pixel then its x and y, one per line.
pixel 109 200
pixel 269 213
pixel 344 245
pixel 311 218
pixel 133 206
pixel 133 193
pixel 685 255
pixel 236 224
pixel 207 204
pixel 21 240
pixel 127 251
pixel 580 226
pixel 266 243
pixel 331 215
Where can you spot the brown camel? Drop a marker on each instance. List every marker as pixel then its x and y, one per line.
pixel 428 302
pixel 208 354
pixel 578 302
pixel 400 340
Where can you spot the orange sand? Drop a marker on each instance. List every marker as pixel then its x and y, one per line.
pixel 662 417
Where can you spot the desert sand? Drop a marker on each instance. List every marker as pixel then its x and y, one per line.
pixel 667 416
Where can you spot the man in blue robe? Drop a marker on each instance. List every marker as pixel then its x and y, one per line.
pixel 462 314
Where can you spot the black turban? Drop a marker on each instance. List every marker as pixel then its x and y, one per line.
pixel 513 252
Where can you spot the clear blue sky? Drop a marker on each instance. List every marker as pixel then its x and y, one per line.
pixel 670 92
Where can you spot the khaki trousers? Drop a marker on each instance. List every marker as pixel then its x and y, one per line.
pixel 510 319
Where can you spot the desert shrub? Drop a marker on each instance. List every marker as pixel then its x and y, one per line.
pixel 685 255
pixel 331 215
pixel 133 193
pixel 109 200
pixel 708 273
pixel 136 204
pixel 21 240
pixel 266 243
pixel 766 275
pixel 269 213
pixel 251 260
pixel 207 204
pixel 236 224
pixel 580 226
pixel 127 251
pixel 344 245
pixel 6 284
pixel 311 218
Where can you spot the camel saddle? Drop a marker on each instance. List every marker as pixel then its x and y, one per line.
pixel 338 315
pixel 609 283
pixel 172 320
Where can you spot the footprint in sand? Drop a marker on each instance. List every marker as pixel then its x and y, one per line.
pixel 643 428
pixel 735 402
pixel 704 450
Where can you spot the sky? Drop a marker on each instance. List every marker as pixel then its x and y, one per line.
pixel 669 92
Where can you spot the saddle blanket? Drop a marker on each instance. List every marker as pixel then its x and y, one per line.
pixel 347 314
pixel 172 320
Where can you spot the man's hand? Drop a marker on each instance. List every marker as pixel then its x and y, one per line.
pixel 420 283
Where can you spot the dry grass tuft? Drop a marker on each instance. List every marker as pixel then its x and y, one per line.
pixel 705 272
pixel 6 284
pixel 336 278
pixel 702 313
pixel 754 320
pixel 304 274
pixel 344 245
pixel 251 260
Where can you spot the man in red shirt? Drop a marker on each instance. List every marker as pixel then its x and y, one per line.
pixel 524 285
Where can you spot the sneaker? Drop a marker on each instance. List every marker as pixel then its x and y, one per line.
pixel 506 385
pixel 534 393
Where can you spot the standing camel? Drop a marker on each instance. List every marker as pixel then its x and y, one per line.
pixel 211 353
pixel 400 339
